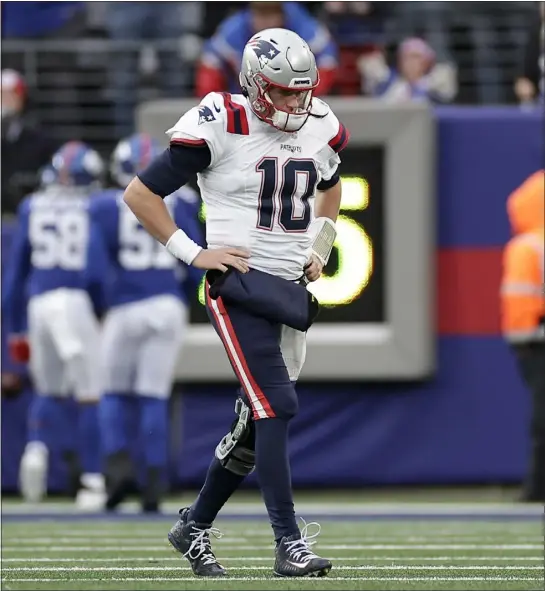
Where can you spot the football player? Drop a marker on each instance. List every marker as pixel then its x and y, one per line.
pixel 260 157
pixel 46 265
pixel 147 291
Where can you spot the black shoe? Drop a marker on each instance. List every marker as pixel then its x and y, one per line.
pixel 120 480
pixel 152 492
pixel 150 507
pixel 192 540
pixel 294 558
pixel 74 470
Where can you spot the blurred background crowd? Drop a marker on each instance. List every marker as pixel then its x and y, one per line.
pixel 78 69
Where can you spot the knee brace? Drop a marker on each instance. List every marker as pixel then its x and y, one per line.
pixel 236 451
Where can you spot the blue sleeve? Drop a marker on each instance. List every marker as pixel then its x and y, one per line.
pixel 225 47
pixel 174 168
pixel 98 264
pixel 314 33
pixel 187 219
pixel 14 300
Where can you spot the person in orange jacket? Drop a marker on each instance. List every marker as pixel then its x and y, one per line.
pixel 523 312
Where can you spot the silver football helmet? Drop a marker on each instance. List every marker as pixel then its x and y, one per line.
pixel 279 58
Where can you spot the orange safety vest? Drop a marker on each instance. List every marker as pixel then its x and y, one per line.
pixel 522 287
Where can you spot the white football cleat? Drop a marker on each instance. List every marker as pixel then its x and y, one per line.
pixel 33 472
pixel 92 496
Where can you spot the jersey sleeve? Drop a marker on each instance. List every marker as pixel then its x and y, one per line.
pixel 99 260
pixel 202 125
pixel 337 137
pixel 14 286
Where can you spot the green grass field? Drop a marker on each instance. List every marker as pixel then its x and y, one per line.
pixel 368 552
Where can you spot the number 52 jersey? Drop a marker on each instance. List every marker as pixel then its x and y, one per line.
pixel 260 185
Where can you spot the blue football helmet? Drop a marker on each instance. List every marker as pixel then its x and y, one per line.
pixel 75 164
pixel 131 156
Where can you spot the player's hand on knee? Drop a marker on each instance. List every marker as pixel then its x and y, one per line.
pixel 313 268
pixel 222 258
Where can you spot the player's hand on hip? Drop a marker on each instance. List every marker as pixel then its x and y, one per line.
pixel 313 268
pixel 222 258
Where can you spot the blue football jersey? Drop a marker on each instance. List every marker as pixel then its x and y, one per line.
pixel 48 250
pixel 7 364
pixel 127 263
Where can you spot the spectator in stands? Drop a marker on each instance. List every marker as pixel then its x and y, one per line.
pixel 220 62
pixel 25 148
pixel 530 85
pixel 23 20
pixel 358 28
pixel 428 20
pixel 164 26
pixel 55 68
pixel 417 76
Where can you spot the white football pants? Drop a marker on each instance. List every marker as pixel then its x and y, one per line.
pixel 293 345
pixel 64 338
pixel 141 344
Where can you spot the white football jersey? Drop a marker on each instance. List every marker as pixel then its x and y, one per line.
pixel 260 186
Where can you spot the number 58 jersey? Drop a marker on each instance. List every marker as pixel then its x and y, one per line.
pixel 260 185
pixel 48 251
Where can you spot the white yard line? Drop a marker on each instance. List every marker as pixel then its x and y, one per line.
pixel 376 529
pixel 136 543
pixel 157 569
pixel 162 547
pixel 188 581
pixel 316 508
pixel 231 537
pixel 362 558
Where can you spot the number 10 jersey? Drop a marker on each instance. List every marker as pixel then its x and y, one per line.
pixel 260 185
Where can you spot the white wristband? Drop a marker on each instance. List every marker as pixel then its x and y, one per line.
pixel 182 247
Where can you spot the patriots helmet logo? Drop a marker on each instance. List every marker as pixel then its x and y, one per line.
pixel 264 50
pixel 205 114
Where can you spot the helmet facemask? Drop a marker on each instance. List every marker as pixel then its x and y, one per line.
pixel 284 118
